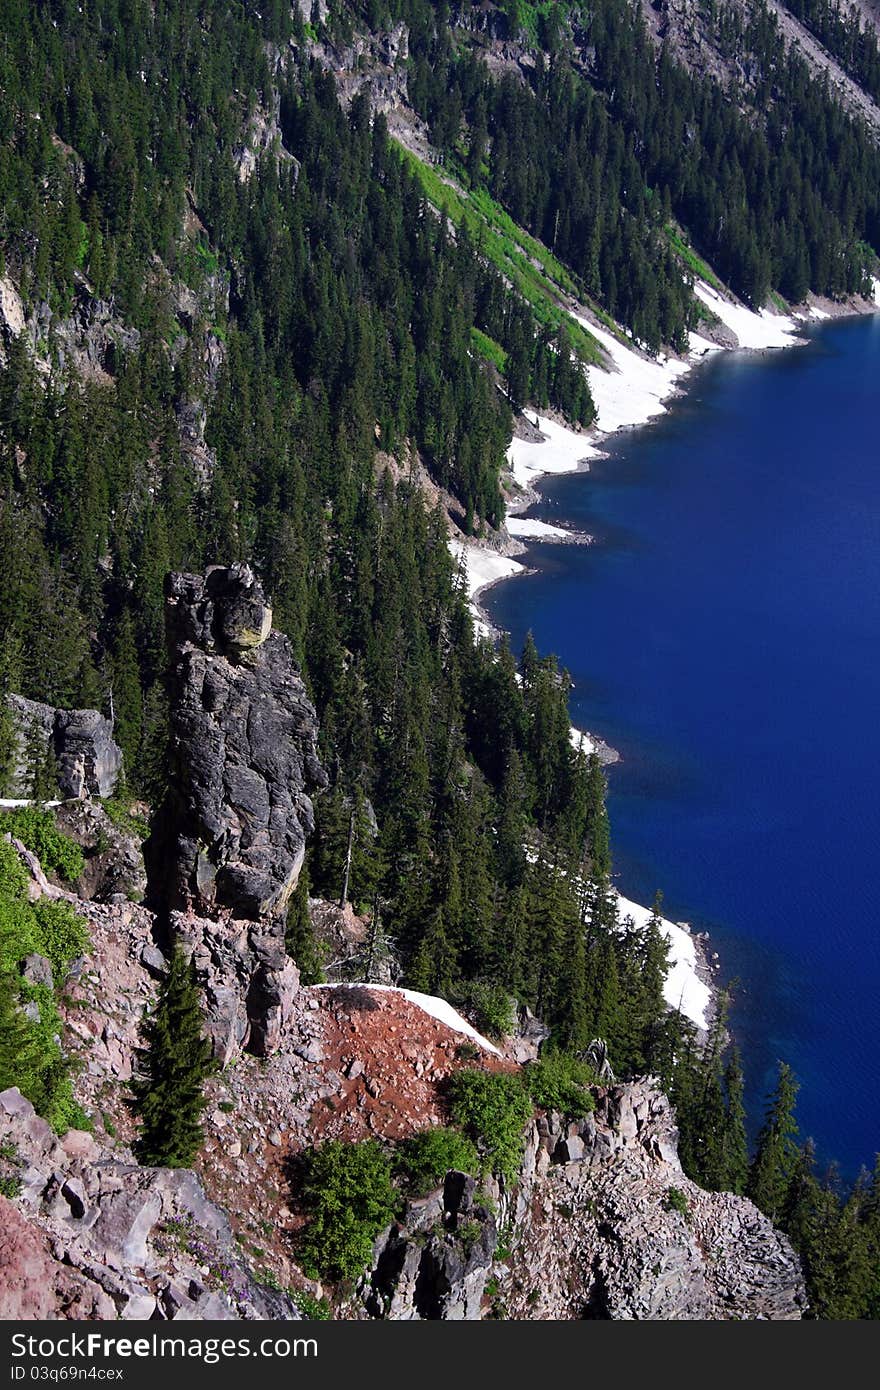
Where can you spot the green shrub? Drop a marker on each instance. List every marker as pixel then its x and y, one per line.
pixel 19 933
pixel 313 1309
pixel 36 829
pixel 426 1158
pixel 493 1110
pixel 559 1081
pixel 13 879
pixel 62 935
pixel 676 1200
pixel 120 814
pixel 10 1183
pixel 491 1008
pixel 349 1196
pixel 51 929
pixel 31 1056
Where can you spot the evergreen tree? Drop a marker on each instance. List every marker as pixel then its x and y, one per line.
pixel 127 700
pixel 299 936
pixel 776 1154
pixel 735 1143
pixel 10 676
pixel 21 1059
pixel 168 1093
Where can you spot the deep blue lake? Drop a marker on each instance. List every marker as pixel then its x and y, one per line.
pixel 723 633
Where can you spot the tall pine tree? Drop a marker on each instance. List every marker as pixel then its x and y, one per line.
pixel 169 1093
pixel 776 1155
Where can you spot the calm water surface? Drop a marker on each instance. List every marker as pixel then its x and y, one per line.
pixel 724 634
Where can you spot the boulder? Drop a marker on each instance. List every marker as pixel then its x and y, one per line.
pixel 37 970
pixel 93 1237
pixel 113 854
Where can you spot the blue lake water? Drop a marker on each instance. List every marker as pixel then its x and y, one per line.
pixel 723 633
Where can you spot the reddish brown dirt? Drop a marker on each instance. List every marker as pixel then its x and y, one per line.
pixel 393 1060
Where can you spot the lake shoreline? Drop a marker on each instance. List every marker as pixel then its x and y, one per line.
pixel 639 391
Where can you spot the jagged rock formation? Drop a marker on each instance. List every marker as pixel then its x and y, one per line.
pixel 92 1236
pixel 603 1224
pixel 434 1264
pixel 248 981
pixel 229 841
pixel 601 1232
pixel 80 741
pixel 231 835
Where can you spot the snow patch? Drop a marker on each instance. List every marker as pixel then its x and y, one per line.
pixel 582 742
pixel 482 566
pixel 532 529
pixel 698 346
pixel 756 331
pixel 638 387
pixel 682 989
pixel 429 1004
pixel 562 450
pixel 9 805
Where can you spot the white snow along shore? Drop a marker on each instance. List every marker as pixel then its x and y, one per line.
pixel 682 989
pixel 629 396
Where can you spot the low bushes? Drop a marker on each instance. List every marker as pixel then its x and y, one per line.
pixel 424 1160
pixel 350 1197
pixel 493 1109
pixel 57 853
pixel 559 1081
pixel 30 1026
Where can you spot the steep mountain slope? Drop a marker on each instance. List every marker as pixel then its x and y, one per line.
pixel 703 41
pixel 275 290
pixel 592 1226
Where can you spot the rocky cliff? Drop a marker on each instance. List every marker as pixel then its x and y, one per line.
pixel 72 747
pixel 231 835
pixel 602 1224
pixel 229 840
pixel 94 1236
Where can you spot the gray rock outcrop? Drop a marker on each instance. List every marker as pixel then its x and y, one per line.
pixel 79 742
pixel 433 1265
pixel 602 1224
pixel 231 835
pixel 113 854
pixel 228 843
pixel 92 1236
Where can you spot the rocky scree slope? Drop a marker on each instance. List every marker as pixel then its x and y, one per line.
pixel 590 1229
pixel 602 1224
